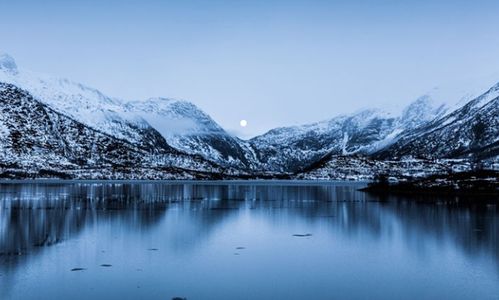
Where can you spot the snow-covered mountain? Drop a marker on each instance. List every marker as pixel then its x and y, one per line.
pixel 47 123
pixel 181 124
pixel 370 131
pixel 187 128
pixel 292 148
pixel 38 140
pixel 469 131
pixel 364 132
pixel 82 103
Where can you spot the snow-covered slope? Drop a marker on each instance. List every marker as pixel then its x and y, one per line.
pixel 368 131
pixel 180 123
pixel 82 103
pixel 421 111
pixel 471 130
pixel 292 148
pixel 186 127
pixel 36 139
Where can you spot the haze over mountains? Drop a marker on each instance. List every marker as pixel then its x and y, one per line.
pixel 59 127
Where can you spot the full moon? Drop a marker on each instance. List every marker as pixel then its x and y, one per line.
pixel 243 123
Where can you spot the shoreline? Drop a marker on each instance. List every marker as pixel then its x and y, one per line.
pixel 186 181
pixel 483 184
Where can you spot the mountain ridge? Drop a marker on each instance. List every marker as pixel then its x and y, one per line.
pixel 180 129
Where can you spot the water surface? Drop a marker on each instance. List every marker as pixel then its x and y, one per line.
pixel 240 240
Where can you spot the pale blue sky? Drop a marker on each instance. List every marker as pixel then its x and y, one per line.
pixel 273 63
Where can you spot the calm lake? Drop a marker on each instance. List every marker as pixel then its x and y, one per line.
pixel 240 240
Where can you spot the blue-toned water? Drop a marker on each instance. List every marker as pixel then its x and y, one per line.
pixel 242 240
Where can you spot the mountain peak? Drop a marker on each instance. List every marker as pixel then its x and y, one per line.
pixel 7 63
pixel 422 110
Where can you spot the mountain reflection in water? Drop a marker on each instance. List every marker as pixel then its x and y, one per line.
pixel 46 226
